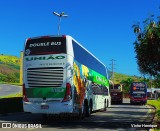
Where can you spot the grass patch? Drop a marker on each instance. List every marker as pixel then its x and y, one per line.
pixel 156 104
pixel 12 95
pixel 16 84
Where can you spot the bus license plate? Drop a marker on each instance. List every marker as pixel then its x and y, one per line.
pixel 44 106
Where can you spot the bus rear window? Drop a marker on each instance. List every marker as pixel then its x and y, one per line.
pixel 42 46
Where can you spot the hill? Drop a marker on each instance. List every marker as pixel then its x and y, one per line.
pixel 118 77
pixel 9 68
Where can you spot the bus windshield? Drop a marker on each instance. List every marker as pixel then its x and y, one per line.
pixel 117 86
pixel 138 90
pixel 43 45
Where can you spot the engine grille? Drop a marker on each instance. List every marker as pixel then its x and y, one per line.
pixel 45 77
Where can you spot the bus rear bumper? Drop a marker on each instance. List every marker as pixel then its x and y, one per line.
pixel 48 108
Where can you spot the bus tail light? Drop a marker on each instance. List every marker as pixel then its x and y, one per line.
pixel 64 36
pixel 25 99
pixel 146 98
pixel 131 97
pixel 28 39
pixel 68 94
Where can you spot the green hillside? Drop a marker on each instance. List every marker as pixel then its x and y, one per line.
pixel 120 77
pixel 9 68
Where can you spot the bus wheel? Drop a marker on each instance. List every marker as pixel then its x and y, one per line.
pixel 89 109
pixel 83 112
pixel 105 106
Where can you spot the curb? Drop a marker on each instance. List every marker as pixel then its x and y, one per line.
pixel 154 112
pixel 155 119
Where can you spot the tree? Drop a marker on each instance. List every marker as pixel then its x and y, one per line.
pixel 126 84
pixel 156 82
pixel 147 46
pixel 10 78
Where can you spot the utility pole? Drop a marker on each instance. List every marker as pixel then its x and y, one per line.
pixel 112 68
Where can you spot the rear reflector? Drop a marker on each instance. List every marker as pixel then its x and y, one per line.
pixel 28 39
pixel 68 94
pixel 25 99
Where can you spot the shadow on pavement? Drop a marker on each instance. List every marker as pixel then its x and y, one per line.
pixel 94 122
pixel 128 105
pixel 11 105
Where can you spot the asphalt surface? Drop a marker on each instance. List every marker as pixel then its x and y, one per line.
pixel 124 117
pixel 6 89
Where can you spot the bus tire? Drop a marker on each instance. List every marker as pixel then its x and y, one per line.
pixel 83 112
pixel 89 109
pixel 105 106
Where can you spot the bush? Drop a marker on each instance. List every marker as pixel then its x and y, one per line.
pixel 156 104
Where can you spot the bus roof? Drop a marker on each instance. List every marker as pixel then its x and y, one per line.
pixel 48 36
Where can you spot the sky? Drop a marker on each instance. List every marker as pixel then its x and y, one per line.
pixel 104 27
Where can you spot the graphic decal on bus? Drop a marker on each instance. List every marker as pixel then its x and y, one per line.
pixel 79 83
pixel 81 75
pixel 45 92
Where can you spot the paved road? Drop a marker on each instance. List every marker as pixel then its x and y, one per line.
pixel 118 118
pixel 6 89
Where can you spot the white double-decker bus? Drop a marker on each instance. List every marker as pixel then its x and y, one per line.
pixel 61 76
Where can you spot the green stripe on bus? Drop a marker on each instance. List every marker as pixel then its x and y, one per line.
pixel 98 78
pixel 45 92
